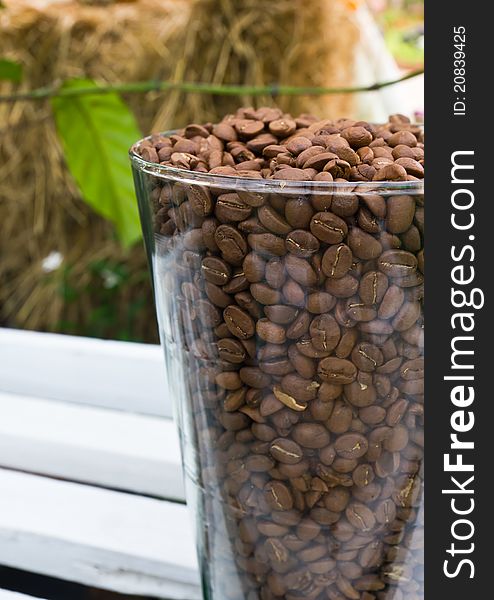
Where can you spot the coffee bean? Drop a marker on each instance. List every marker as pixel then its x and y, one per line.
pixel 311 435
pixel 360 516
pixel 231 243
pixel 278 496
pixel 337 370
pixel 324 332
pixel 328 227
pixel 231 350
pixel 320 302
pixel 397 263
pixel 239 323
pixel 344 287
pixel 337 261
pixel 351 445
pixel 216 270
pixel 272 221
pixel 367 357
pixel 301 243
pixel 372 288
pixel 391 302
pixel 254 268
pixel 363 245
pixel 300 271
pixel 267 244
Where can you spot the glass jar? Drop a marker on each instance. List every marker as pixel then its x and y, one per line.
pixel 291 318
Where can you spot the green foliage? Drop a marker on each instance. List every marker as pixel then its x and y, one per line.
pixel 10 70
pixel 112 286
pixel 96 132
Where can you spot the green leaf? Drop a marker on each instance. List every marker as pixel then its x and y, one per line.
pixel 10 70
pixel 97 132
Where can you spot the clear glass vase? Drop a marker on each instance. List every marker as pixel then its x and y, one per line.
pixel 291 318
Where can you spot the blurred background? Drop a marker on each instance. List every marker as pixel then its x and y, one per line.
pixel 71 256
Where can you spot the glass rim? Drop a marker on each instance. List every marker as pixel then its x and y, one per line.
pixel 278 186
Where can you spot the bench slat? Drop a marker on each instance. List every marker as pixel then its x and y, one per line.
pixel 120 375
pixel 81 443
pixel 96 537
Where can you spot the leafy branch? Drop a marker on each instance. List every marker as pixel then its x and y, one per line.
pixel 142 87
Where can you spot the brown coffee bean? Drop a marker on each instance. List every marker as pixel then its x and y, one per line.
pixel 391 302
pixel 346 344
pixel 254 267
pixel 278 496
pixel 363 475
pixel 372 288
pixel 281 314
pixel 298 212
pixel 286 451
pixel 231 243
pixel 308 529
pixel 299 387
pixel 311 435
pixel 301 243
pixel 300 270
pixel 399 214
pixel 239 323
pixel 358 311
pixel 337 261
pixel 216 270
pixel 229 380
pixel 293 174
pixel 372 415
pixel 360 394
pixel 363 245
pixel 230 208
pixel 389 172
pixel 328 227
pixel 411 166
pixel 344 287
pixel 404 138
pixel 360 516
pixel 265 294
pixel 367 357
pixel 386 512
pixel 337 370
pixel 270 332
pixel 273 221
pixel 351 445
pixel 324 332
pixel 397 263
pixel 357 137
pixel 267 244
pixel 320 302
pixel 282 128
pixel 231 350
pixel 406 316
pixel 298 145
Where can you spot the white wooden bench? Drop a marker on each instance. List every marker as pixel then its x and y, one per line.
pixel 91 488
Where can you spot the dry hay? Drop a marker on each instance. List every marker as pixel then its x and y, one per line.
pixel 40 207
pixel 247 41
pixel 292 42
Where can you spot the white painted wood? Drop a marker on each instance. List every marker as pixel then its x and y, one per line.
pixel 99 446
pixel 97 537
pixel 7 595
pixel 120 375
pixel 375 63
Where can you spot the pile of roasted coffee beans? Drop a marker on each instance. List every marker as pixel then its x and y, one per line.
pixel 296 318
pixel 268 144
